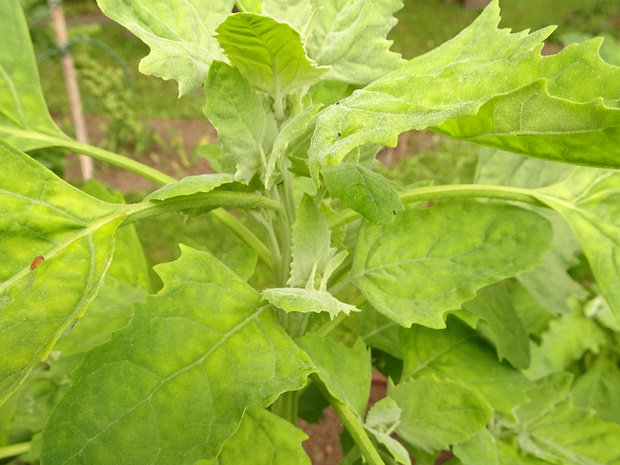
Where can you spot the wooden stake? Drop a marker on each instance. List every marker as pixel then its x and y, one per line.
pixel 73 91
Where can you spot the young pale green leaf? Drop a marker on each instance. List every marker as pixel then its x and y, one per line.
pixel 269 54
pixel 311 244
pixel 25 121
pixel 198 353
pixel 459 354
pixel 429 261
pixel 598 389
pixel 180 36
pixel 549 283
pixel 55 247
pixel 242 261
pixel 291 130
pixel 437 414
pixel 364 191
pixel 191 185
pixel 383 418
pixel 565 341
pixel 263 439
pixel 501 324
pixel 244 127
pixel 110 311
pixel 563 433
pixel 588 201
pixel 294 299
pixel 349 37
pixel 486 80
pixel 129 262
pixel 345 372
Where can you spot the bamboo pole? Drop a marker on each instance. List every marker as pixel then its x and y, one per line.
pixel 73 91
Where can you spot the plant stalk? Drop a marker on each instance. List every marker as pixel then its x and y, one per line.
pixel 14 450
pixel 286 406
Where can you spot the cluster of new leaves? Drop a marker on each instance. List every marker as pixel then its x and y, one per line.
pixel 466 304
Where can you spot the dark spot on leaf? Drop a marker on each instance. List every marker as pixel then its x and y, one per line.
pixel 36 262
pixel 337 103
pixel 339 134
pixel 394 212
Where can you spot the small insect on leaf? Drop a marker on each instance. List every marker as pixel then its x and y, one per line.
pixel 36 262
pixel 339 134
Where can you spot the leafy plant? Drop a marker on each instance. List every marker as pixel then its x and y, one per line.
pixel 461 294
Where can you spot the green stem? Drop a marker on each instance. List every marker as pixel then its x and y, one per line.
pixel 450 191
pixel 14 449
pixel 211 199
pixel 286 406
pixel 118 160
pixel 244 233
pixel 352 422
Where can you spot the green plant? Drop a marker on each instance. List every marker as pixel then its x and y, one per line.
pixel 459 293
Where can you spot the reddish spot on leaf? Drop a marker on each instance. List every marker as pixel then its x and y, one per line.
pixel 36 262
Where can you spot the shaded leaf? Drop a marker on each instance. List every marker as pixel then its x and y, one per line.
pixel 293 299
pixel 458 353
pixel 430 261
pixel 437 414
pixel 485 448
pixel 170 368
pixel 41 215
pixel 242 261
pixel 589 201
pixel 269 54
pixel 25 121
pixel 565 341
pixel 563 433
pixel 598 389
pixel 110 311
pixel 244 127
pixel 557 108
pixel 503 326
pixel 263 439
pixel 345 372
pixel 364 191
pixel 178 34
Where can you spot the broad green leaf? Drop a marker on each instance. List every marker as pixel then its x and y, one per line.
pixel 598 390
pixel 311 244
pixel 198 353
pixel 565 341
pixel 129 262
pixel 290 131
pixel 42 216
pixel 263 439
pixel 349 37
pixel 345 372
pixel 180 36
pixel 294 299
pixel 110 311
pixel 566 434
pixel 501 324
pixel 269 54
pixel 588 200
pixel 244 127
pixel 458 353
pixel 364 191
pixel 486 80
pixel 549 283
pixel 381 420
pixel 548 392
pixel 25 121
pixel 437 414
pixel 429 261
pixel 190 185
